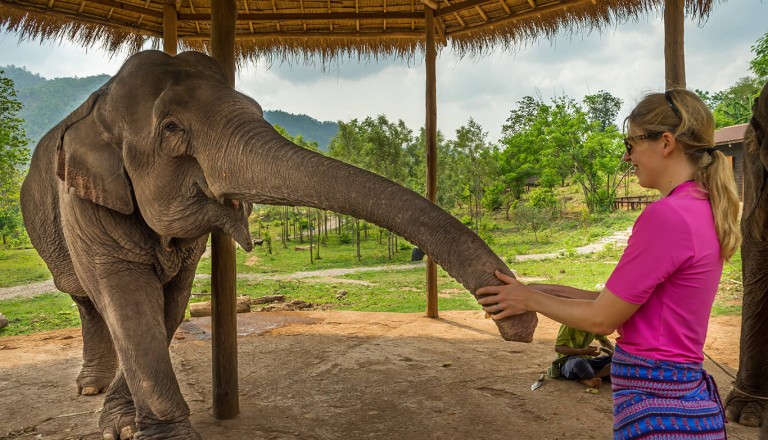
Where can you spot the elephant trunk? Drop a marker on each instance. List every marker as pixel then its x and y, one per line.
pixel 263 167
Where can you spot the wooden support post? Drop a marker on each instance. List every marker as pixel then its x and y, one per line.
pixel 170 28
pixel 226 403
pixel 430 135
pixel 674 47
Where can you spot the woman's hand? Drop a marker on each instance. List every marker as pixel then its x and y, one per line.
pixel 505 300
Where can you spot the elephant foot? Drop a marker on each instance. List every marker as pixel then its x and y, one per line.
pixel 518 328
pixel 92 381
pixel 745 410
pixel 180 430
pixel 118 420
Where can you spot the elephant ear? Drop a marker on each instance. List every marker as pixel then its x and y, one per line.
pixel 90 166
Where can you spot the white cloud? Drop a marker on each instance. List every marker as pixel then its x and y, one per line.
pixel 625 60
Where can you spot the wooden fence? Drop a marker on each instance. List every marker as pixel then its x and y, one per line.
pixel 632 202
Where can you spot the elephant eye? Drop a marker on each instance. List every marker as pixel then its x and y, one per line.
pixel 172 127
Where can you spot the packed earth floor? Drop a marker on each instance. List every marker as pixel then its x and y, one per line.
pixel 345 375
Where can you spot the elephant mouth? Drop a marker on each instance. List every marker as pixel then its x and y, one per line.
pixel 228 214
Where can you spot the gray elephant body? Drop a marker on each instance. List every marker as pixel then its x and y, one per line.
pixel 121 197
pixel 748 402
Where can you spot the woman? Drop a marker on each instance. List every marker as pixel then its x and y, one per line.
pixel 660 294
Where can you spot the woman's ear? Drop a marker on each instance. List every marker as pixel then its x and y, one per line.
pixel 670 144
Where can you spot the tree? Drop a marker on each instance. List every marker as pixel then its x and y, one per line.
pixel 14 157
pixel 602 107
pixel 298 139
pixel 734 105
pixel 559 141
pixel 759 64
pixel 477 167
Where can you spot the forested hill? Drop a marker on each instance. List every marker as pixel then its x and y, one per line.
pixel 309 128
pixel 47 101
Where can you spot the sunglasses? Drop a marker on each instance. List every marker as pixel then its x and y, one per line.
pixel 630 140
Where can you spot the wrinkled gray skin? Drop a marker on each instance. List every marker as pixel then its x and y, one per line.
pixel 752 377
pixel 121 197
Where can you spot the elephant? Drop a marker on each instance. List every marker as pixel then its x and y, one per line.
pixel 747 403
pixel 123 193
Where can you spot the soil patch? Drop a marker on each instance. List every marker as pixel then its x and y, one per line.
pixel 344 375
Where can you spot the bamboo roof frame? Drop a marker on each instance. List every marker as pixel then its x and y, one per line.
pixel 279 30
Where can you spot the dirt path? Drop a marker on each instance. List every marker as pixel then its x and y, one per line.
pixel 344 375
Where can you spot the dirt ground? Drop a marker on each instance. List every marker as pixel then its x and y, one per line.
pixel 345 375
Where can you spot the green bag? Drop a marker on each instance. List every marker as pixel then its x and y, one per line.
pixel 553 371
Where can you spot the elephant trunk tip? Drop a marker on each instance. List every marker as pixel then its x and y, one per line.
pixel 518 328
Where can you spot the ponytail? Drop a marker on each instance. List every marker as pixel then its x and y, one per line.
pixel 716 177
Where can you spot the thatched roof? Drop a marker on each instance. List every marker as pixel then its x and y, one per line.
pixel 288 28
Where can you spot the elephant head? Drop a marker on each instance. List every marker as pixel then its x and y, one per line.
pixel 168 137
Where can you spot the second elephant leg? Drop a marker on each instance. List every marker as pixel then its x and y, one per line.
pixel 99 357
pixel 748 402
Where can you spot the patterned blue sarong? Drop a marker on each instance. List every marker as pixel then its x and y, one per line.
pixel 664 400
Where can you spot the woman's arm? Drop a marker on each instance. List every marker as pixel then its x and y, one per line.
pixel 601 315
pixel 564 291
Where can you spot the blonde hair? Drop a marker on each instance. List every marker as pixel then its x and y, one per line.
pixel 685 115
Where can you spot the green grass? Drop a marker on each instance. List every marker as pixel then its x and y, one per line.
pixel 49 311
pixel 381 291
pixel 567 232
pixel 21 266
pixel 289 260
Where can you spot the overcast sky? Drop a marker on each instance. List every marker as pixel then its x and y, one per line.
pixel 626 60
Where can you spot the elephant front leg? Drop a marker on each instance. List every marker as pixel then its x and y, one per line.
pixel 132 304
pixel 747 404
pixel 118 417
pixel 99 358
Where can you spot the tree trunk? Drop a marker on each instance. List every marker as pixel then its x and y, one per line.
pixel 357 233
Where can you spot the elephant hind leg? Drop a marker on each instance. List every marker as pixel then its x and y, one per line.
pixel 99 357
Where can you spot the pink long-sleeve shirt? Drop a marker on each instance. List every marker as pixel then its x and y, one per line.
pixel 672 267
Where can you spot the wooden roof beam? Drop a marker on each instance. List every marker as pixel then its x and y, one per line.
pixel 456 13
pixel 415 35
pixel 192 8
pixel 303 23
pixel 482 13
pixel 247 11
pixel 532 3
pixel 455 8
pixel 385 11
pixel 310 16
pixel 274 9
pixel 431 3
pixel 505 6
pixel 129 7
pixel 519 15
